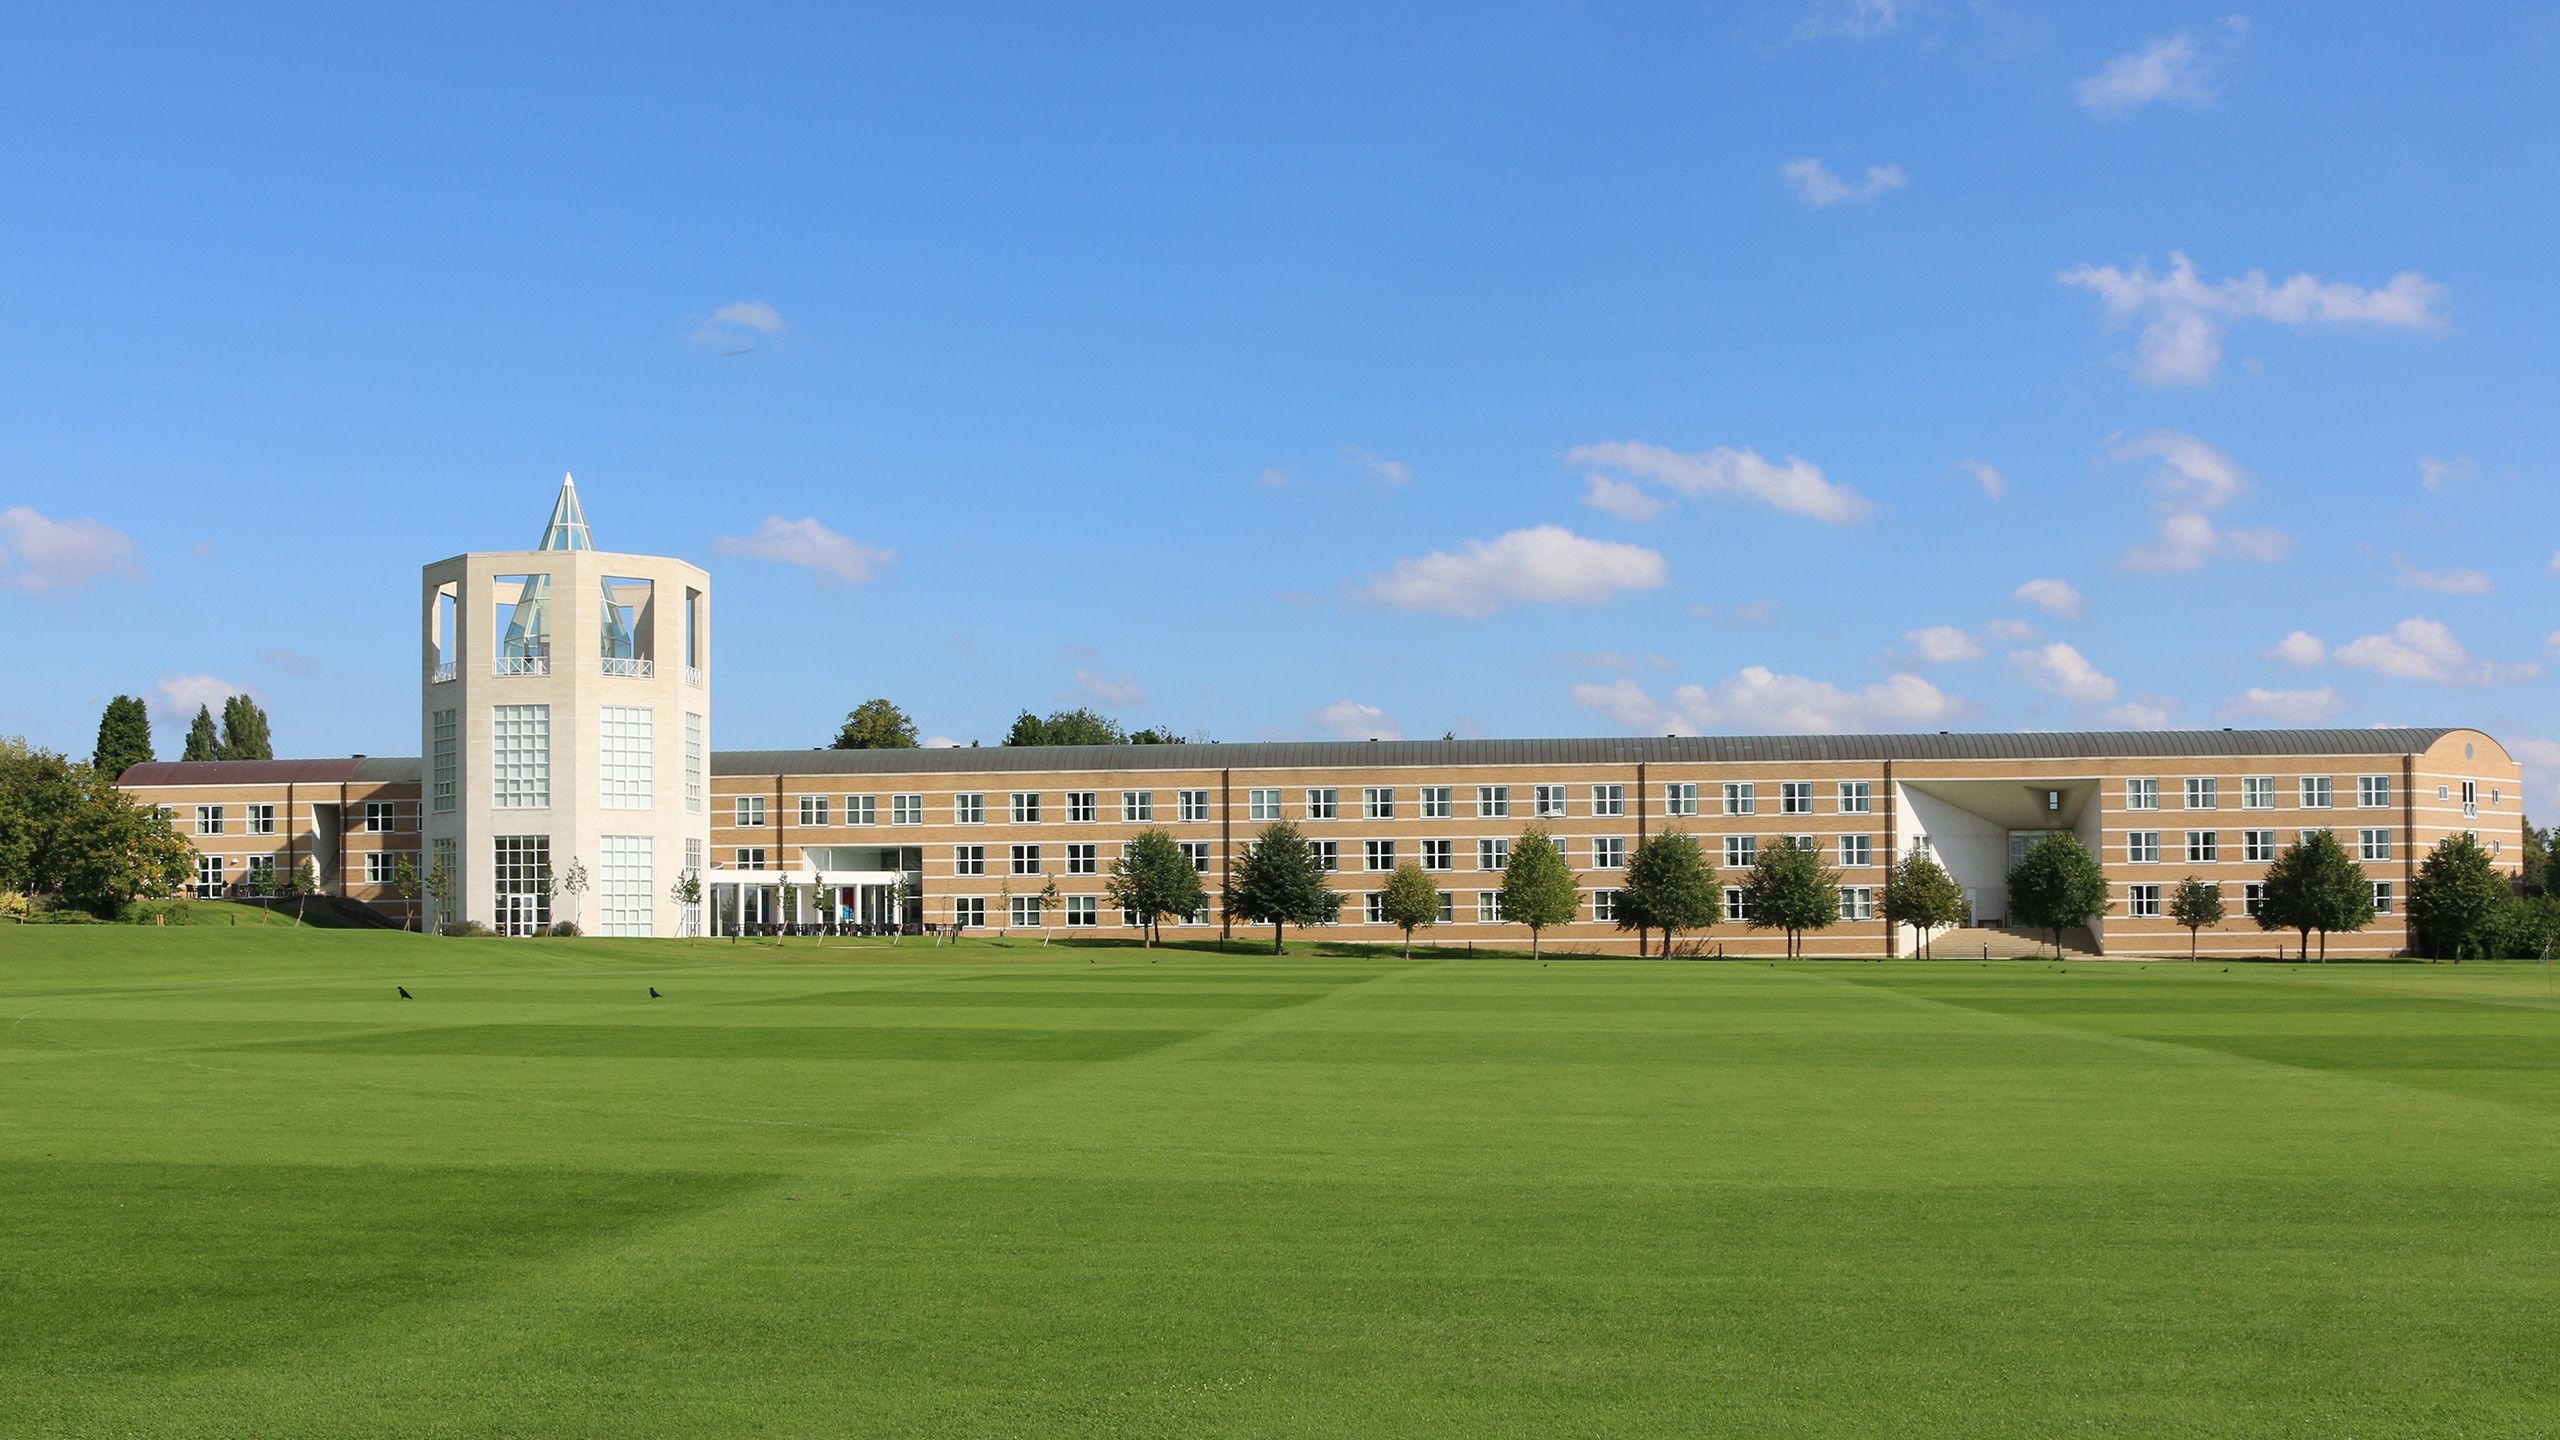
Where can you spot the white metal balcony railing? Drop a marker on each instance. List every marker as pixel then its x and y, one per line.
pixel 444 672
pixel 522 665
pixel 630 667
pixel 693 676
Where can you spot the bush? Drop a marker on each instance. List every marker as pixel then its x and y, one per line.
pixel 173 911
pixel 565 929
pixel 465 927
pixel 14 906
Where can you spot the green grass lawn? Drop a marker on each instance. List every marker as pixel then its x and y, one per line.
pixel 983 1190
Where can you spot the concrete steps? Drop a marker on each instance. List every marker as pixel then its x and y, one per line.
pixel 1966 942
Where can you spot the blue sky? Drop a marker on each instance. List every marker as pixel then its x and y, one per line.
pixel 1269 371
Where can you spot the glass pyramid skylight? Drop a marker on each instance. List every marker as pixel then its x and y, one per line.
pixel 568 527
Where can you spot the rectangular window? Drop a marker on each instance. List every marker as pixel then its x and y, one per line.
pixel 380 817
pixel 1741 798
pixel 1328 854
pixel 1378 802
pixel 750 857
pixel 2204 793
pixel 523 879
pixel 970 912
pixel 447 858
pixel 968 859
pixel 627 887
pixel 2142 847
pixel 2204 846
pixel 906 809
pixel 1436 855
pixel 261 819
pixel 2373 792
pixel 813 809
pixel 1741 852
pixel 521 757
pixel 2470 799
pixel 1489 907
pixel 1448 907
pixel 259 872
pixel 1547 802
pixel 1083 910
pixel 1138 805
pixel 1373 907
pixel 1857 902
pixel 2252 896
pixel 1198 853
pixel 1195 805
pixel 1493 801
pixel 208 876
pixel 1737 906
pixel 2258 792
pixel 1082 861
pixel 446 738
pixel 2373 844
pixel 692 763
pixel 1609 852
pixel 1026 859
pixel 1026 913
pixel 2315 792
pixel 1262 804
pixel 208 819
pixel 1436 803
pixel 2142 794
pixel 749 809
pixel 627 763
pixel 2142 901
pixel 1680 798
pixel 1795 797
pixel 1493 854
pixel 1324 803
pixel 1026 807
pixel 1857 797
pixel 1380 854
pixel 380 866
pixel 1083 807
pixel 1608 799
pixel 1604 906
pixel 968 809
pixel 2381 897
pixel 1857 850
pixel 862 809
pixel 1807 844
pixel 2258 845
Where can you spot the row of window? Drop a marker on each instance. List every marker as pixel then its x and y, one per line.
pixel 1857 902
pixel 259 874
pixel 1606 852
pixel 2312 792
pixel 2142 847
pixel 520 758
pixel 1320 802
pixel 2142 902
pixel 381 817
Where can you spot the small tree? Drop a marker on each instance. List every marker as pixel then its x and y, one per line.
pixel 573 883
pixel 1153 879
pixel 2459 902
pixel 1921 894
pixel 1668 888
pixel 302 885
pixel 1046 896
pixel 1790 890
pixel 1279 883
pixel 404 883
pixel 440 890
pixel 819 902
pixel 124 736
pixel 2198 905
pixel 2056 885
pixel 1538 890
pixel 203 741
pixel 876 725
pixel 1411 902
pixel 2315 885
pixel 686 893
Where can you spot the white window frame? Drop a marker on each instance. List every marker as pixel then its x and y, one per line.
pixel 1083 859
pixel 747 811
pixel 1138 806
pixel 1741 852
pixel 1493 802
pixel 1857 797
pixel 969 808
pixel 520 757
pixel 1493 853
pixel 1795 797
pixel 2373 792
pixel 1026 807
pixel 1609 800
pixel 1262 804
pixel 1439 802
pixel 2317 793
pixel 1377 802
pixel 1488 907
pixel 2258 847
pixel 862 809
pixel 1680 797
pixel 2373 843
pixel 1023 859
pixel 2142 847
pixel 1444 851
pixel 1857 851
pixel 1742 797
pixel 1378 854
pixel 968 859
pixel 2204 792
pixel 1609 852
pixel 2142 793
pixel 1324 802
pixel 907 809
pixel 2142 902
pixel 813 810
pixel 2257 792
pixel 2204 847
pixel 1194 805
pixel 1084 807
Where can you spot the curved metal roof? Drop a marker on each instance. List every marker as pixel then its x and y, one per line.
pixel 345 769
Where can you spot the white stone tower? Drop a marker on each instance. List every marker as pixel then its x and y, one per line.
pixel 565 715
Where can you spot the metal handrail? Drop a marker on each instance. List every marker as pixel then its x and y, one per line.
pixel 443 673
pixel 522 665
pixel 632 667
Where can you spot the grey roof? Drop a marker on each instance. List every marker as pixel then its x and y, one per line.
pixel 1681 749
pixel 336 770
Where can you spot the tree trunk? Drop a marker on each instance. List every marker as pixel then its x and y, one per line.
pixel 1533 942
pixel 2191 942
pixel 1275 937
pixel 1408 942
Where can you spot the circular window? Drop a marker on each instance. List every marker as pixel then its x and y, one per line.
pixel 2466 749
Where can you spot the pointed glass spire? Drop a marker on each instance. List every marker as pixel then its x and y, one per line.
pixel 568 527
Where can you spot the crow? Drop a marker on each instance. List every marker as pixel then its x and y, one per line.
pixel 654 995
pixel 404 992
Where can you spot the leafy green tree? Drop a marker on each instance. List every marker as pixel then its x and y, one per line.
pixel 1538 890
pixel 1790 890
pixel 1079 726
pixel 2458 902
pixel 111 852
pixel 244 730
pixel 1156 735
pixel 876 725
pixel 124 737
pixel 300 886
pixel 1153 879
pixel 2315 885
pixel 687 895
pixel 1279 883
pixel 406 885
pixel 2197 905
pixel 1411 902
pixel 2534 865
pixel 2056 885
pixel 1668 889
pixel 203 741
pixel 1920 893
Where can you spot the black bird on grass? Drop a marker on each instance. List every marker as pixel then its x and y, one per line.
pixel 404 992
pixel 654 995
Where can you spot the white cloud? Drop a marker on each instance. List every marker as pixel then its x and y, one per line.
pixel 1758 699
pixel 2283 707
pixel 1619 498
pixel 2008 631
pixel 741 321
pixel 1797 487
pixel 2541 762
pixel 1943 645
pixel 2192 475
pixel 940 742
pixel 2137 715
pixel 2054 597
pixel 2457 580
pixel 1086 687
pixel 1275 479
pixel 2301 649
pixel 2185 541
pixel 2184 316
pixel 2059 669
pixel 2443 477
pixel 177 697
pixel 1382 472
pixel 1547 563
pixel 1855 20
pixel 1994 485
pixel 1351 720
pixel 2426 650
pixel 1818 187
pixel 812 546
pixel 1739 617
pixel 2165 69
pixel 38 554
